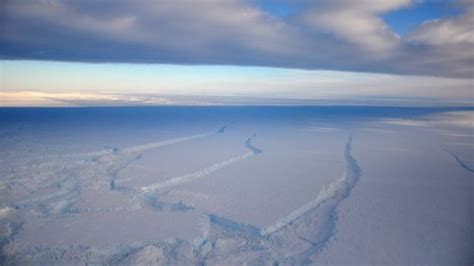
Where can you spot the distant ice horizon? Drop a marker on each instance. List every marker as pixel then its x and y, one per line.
pixel 111 99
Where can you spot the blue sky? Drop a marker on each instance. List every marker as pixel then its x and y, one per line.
pixel 260 48
pixel 406 20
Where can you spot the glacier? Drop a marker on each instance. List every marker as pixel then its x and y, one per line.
pixel 326 185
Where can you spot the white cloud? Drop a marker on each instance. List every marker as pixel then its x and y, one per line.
pixel 449 31
pixel 358 22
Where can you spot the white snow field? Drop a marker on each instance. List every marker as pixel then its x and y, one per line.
pixel 237 185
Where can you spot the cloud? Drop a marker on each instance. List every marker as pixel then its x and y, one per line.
pixel 358 22
pixel 336 35
pixel 449 31
pixel 448 42
pixel 174 31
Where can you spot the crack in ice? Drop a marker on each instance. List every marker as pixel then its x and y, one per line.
pixel 462 163
pixel 143 147
pixel 337 191
pixel 206 171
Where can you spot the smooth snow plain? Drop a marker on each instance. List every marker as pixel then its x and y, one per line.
pixel 237 185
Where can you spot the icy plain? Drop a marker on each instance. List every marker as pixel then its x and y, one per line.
pixel 237 185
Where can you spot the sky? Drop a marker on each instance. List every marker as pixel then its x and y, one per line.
pixel 124 52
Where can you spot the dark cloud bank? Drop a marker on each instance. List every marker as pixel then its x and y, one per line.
pixel 336 35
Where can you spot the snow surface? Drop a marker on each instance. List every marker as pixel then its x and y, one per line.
pixel 237 185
